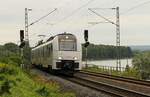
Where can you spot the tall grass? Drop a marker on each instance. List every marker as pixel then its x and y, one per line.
pixel 16 83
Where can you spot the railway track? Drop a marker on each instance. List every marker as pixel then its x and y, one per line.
pixel 113 85
pixel 125 79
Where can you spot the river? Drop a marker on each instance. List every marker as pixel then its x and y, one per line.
pixel 112 63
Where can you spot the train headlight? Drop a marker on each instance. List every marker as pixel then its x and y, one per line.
pixel 75 58
pixel 67 37
pixel 59 58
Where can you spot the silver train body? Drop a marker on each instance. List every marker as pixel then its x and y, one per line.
pixel 62 52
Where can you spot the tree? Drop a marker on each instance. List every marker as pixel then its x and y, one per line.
pixel 12 47
pixel 142 63
pixel 99 52
pixel 9 53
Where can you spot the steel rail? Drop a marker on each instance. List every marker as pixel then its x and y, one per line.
pixel 125 79
pixel 107 88
pixel 114 86
pixel 115 90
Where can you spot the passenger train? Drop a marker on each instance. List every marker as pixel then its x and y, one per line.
pixel 63 52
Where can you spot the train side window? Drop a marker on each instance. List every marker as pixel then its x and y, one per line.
pixel 32 54
pixel 37 52
pixel 47 49
pixel 51 48
pixel 42 51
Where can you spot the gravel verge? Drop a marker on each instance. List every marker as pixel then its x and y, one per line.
pixel 67 86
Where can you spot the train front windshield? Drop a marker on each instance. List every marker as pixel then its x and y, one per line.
pixel 67 43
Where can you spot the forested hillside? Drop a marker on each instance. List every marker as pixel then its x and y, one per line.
pixel 98 52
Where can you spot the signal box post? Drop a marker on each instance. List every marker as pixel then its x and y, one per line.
pixel 86 45
pixel 22 44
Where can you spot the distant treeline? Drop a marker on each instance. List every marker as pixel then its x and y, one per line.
pixel 99 52
pixel 10 51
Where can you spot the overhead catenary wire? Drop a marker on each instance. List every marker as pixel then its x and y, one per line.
pixel 102 17
pixel 75 11
pixel 125 12
pixel 42 17
pixel 134 7
pixel 72 13
pixel 47 15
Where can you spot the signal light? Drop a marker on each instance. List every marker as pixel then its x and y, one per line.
pixel 22 44
pixel 21 35
pixel 86 35
pixel 86 44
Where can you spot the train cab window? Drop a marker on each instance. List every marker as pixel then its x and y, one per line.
pixel 67 42
pixel 67 45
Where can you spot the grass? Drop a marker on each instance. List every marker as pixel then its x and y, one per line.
pixel 14 82
pixel 131 72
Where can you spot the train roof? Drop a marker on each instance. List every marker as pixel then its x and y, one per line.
pixel 65 34
pixel 50 40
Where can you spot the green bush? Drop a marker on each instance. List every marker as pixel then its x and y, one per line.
pixel 43 91
pixel 141 62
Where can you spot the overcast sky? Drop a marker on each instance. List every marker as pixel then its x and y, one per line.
pixel 73 16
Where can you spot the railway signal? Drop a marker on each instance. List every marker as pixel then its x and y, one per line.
pixel 22 42
pixel 86 38
pixel 86 35
pixel 21 35
pixel 86 44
